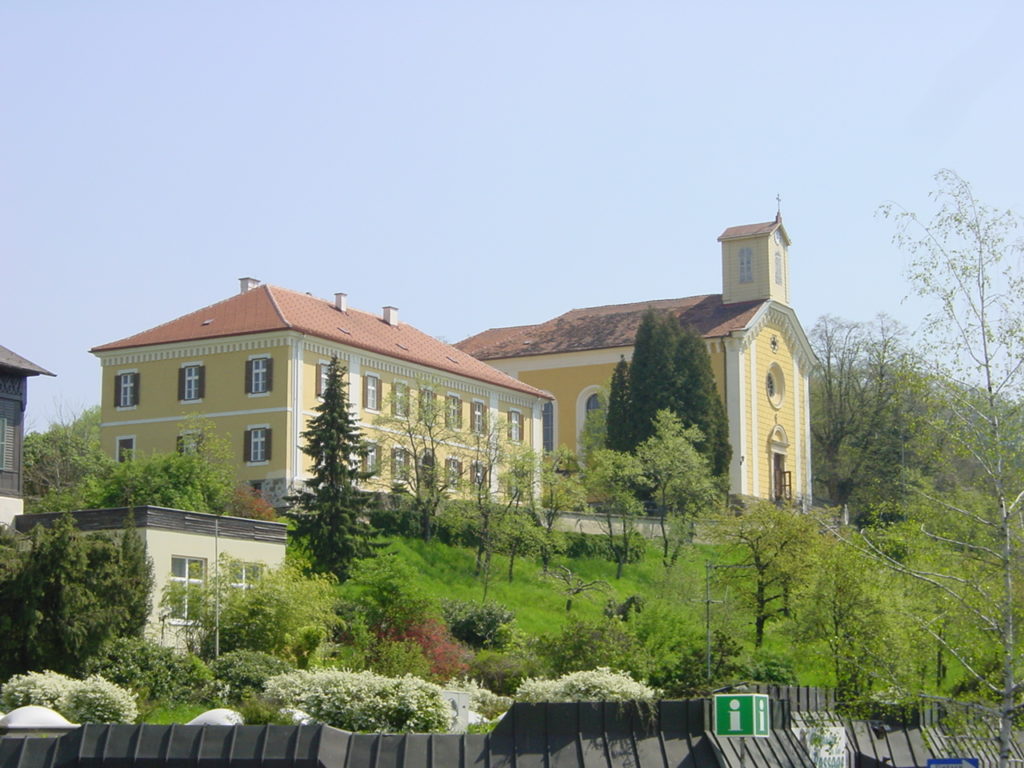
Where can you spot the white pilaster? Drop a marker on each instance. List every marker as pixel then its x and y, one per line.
pixel 798 428
pixel 736 413
pixel 754 453
pixel 294 475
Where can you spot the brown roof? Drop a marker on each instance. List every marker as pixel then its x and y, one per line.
pixel 750 230
pixel 269 308
pixel 13 361
pixel 606 327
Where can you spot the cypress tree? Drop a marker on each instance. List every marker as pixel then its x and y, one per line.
pixel 331 509
pixel 619 417
pixel 650 385
pixel 695 399
pixel 670 370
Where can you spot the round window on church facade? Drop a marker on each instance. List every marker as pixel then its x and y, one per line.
pixel 775 386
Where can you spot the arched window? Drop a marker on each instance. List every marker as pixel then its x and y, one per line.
pixel 593 403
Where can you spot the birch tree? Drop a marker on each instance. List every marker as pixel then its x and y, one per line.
pixel 965 259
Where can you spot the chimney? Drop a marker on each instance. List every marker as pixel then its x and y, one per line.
pixel 246 284
pixel 341 302
pixel 391 315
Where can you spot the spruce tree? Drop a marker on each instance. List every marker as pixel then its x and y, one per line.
pixel 330 512
pixel 618 419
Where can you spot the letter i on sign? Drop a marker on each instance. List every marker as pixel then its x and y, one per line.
pixel 761 714
pixel 734 715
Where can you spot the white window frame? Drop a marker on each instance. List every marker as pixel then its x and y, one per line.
pixel 117 447
pixel 244 575
pixel 259 373
pixel 258 433
pixel 128 396
pixel 371 461
pixel 746 262
pixel 193 375
pixel 478 417
pixel 188 581
pixel 515 426
pixel 371 392
pixel 453 411
pixel 400 395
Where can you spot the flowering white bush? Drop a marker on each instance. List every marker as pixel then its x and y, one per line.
pixel 93 700
pixel 44 689
pixel 601 684
pixel 363 701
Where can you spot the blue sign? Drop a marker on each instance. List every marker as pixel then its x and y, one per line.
pixel 954 762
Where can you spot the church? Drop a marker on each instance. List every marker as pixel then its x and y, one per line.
pixel 760 357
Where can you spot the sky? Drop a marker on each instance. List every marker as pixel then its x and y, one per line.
pixel 476 164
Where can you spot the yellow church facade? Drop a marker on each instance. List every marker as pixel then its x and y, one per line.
pixel 253 366
pixel 760 357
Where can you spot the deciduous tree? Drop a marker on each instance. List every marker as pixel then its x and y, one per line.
pixel 965 259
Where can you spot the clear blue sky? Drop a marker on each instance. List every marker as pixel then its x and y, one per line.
pixel 476 164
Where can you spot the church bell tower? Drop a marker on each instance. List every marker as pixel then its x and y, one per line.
pixel 755 262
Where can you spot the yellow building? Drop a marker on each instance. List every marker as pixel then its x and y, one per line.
pixel 759 354
pixel 254 365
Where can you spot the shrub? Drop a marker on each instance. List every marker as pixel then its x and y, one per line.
pixel 587 644
pixel 363 701
pixel 242 674
pixel 503 672
pixel 601 684
pixel 478 625
pixel 93 700
pixel 579 545
pixel 44 689
pixel 151 670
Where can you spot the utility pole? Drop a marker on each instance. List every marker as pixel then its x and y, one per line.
pixel 708 568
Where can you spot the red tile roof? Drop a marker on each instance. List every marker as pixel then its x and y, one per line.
pixel 269 308
pixel 607 327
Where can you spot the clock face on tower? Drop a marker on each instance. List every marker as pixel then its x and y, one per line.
pixel 778 236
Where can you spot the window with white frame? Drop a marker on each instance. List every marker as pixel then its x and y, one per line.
pixel 125 448
pixel 515 426
pixel 453 470
pixel 371 392
pixel 478 417
pixel 477 473
pixel 188 574
pixel 189 441
pixel 428 405
pixel 400 399
pixel 257 444
pixel 259 375
pixel 371 459
pixel 453 412
pixel 191 381
pixel 746 265
pixel 126 389
pixel 778 268
pixel 244 575
pixel 399 465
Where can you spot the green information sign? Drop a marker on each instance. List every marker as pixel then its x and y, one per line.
pixel 742 714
